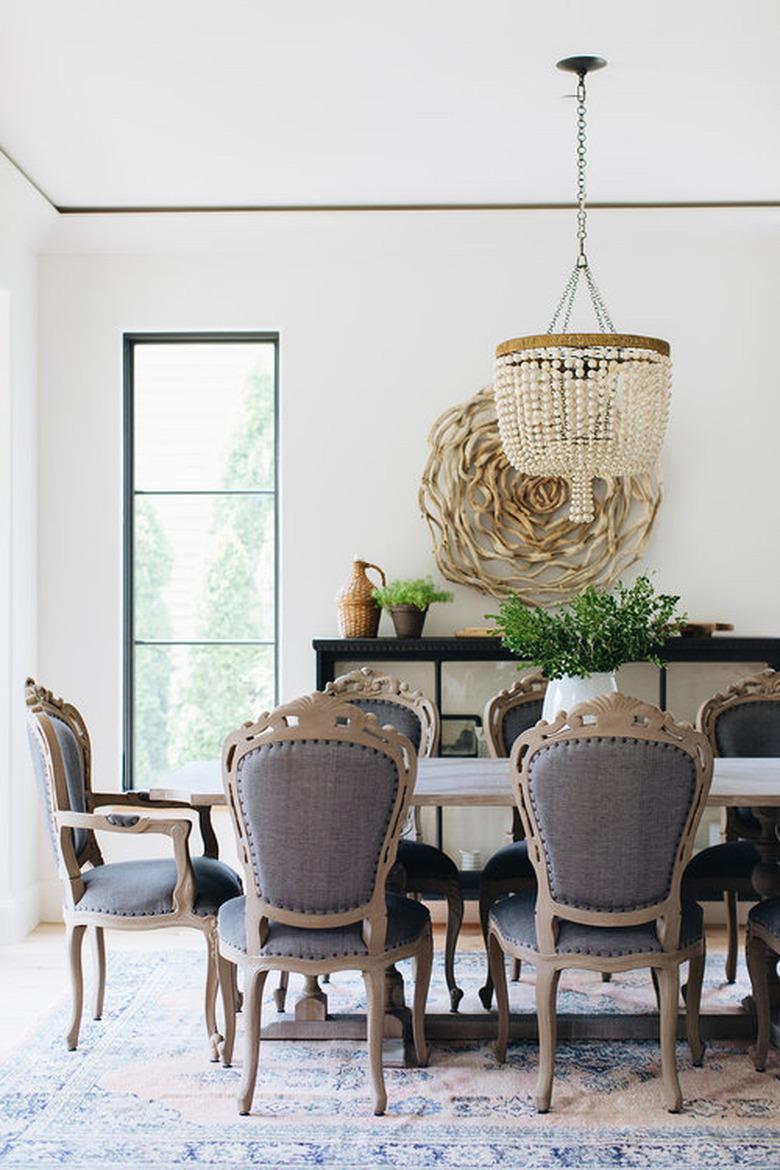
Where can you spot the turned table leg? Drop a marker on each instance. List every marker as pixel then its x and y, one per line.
pixel 312 1003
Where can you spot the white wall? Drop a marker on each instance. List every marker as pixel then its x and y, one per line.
pixel 24 216
pixel 386 319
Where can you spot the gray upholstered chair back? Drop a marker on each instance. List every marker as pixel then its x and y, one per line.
pixel 317 790
pixel 397 715
pixel 513 711
pixel 518 719
pixel 610 796
pixel 749 729
pixel 316 813
pixel 394 703
pixel 745 719
pixel 611 814
pixel 59 746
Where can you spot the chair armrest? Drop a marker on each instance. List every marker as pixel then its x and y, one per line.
pixel 177 828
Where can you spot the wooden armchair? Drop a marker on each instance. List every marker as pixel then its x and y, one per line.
pixel 610 796
pixel 741 721
pixel 125 895
pixel 509 870
pixel 316 901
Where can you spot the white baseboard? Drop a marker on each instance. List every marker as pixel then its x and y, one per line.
pixel 19 915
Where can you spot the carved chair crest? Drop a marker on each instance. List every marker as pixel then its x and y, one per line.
pixel 755 688
pixel 366 683
pixel 529 688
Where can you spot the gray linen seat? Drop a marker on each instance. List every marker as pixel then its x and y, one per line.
pixel 610 796
pixel 742 721
pixel 509 870
pixel 406 922
pixel 318 791
pixel 137 889
pixel 156 892
pixel 515 919
pixel 762 944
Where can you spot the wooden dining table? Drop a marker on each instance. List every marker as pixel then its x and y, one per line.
pixel 477 782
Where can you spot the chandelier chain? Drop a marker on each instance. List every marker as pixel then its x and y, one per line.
pixel 565 305
pixel 582 213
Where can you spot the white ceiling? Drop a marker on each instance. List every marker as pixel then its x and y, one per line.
pixel 266 102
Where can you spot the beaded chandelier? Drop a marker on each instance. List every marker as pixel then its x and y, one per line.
pixel 582 405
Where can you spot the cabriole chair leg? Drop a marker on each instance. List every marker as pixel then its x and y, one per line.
pixel 75 938
pixel 227 986
pixel 210 1002
pixel 280 995
pixel 423 963
pixel 374 980
pixel 253 1010
pixel 732 928
pixel 669 991
pixel 759 958
pixel 498 973
pixel 99 952
pixel 692 1008
pixel 454 920
pixel 546 992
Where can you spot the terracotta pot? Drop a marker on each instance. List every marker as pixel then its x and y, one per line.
pixel 408 620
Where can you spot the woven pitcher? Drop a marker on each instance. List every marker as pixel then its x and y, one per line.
pixel 358 612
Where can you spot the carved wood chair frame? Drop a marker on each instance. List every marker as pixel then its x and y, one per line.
pixel 616 716
pixel 529 688
pixel 366 683
pixel 764 686
pixel 134 819
pixel 326 717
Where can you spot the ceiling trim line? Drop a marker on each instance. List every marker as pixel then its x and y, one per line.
pixel 246 209
pixel 28 177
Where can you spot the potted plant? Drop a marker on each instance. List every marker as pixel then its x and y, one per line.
pixel 579 646
pixel 408 602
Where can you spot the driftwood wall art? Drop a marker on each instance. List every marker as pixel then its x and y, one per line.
pixel 500 531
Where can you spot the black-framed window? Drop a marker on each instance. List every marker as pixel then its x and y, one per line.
pixel 200 545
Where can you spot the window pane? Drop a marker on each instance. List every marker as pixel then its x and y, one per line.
pixel 204 567
pixel 188 698
pixel 204 416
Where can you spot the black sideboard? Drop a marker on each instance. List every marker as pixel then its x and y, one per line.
pixel 719 648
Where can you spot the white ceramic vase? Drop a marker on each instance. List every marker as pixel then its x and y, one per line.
pixel 565 693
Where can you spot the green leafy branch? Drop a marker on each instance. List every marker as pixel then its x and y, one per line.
pixel 595 632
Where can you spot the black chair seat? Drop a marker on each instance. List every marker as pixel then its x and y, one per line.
pixel 425 862
pixel 732 861
pixel 515 919
pixel 406 920
pixel 767 914
pixel 509 864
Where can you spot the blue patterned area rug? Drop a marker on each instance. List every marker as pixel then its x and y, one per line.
pixel 140 1092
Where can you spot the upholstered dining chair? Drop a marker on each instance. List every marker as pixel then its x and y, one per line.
pixel 741 721
pixel 422 868
pixel 318 791
pixel 610 796
pixel 124 895
pixel 508 871
pixel 762 946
